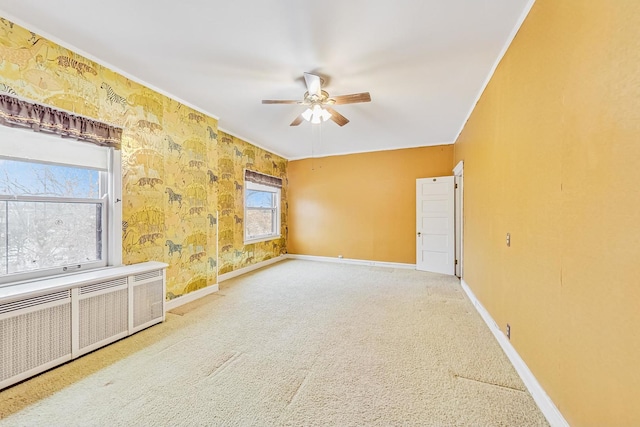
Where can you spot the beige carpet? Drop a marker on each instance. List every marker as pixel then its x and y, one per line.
pixel 297 343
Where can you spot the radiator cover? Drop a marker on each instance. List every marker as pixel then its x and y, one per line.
pixel 103 314
pixel 34 333
pixel 46 323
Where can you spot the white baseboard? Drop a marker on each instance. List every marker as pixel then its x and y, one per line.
pixel 353 261
pixel 191 296
pixel 541 398
pixel 245 270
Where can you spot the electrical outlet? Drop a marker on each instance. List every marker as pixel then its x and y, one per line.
pixel 508 331
pixel 508 239
pixel 340 256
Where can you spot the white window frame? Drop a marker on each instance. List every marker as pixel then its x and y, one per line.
pixel 248 185
pixel 40 147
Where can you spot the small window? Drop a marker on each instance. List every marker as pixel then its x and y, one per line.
pixel 52 219
pixel 261 212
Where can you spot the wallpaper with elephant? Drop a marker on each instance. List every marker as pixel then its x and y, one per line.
pixel 178 172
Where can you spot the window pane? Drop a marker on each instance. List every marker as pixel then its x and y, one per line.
pixel 260 199
pixel 260 222
pixel 45 234
pixel 34 179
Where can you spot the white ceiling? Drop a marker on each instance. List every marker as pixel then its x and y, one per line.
pixel 425 62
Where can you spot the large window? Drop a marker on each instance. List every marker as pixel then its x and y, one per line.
pixel 56 205
pixel 261 211
pixel 51 217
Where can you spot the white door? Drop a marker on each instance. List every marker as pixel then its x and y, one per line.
pixel 458 224
pixel 435 230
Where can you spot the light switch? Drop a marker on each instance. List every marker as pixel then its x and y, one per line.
pixel 509 239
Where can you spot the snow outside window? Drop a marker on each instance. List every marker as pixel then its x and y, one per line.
pixel 54 217
pixel 261 212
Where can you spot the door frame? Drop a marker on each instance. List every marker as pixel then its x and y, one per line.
pixel 458 173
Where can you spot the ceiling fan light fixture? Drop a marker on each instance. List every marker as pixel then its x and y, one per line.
pixel 325 115
pixel 307 114
pixel 316 114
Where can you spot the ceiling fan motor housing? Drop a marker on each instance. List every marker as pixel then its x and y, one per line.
pixel 315 99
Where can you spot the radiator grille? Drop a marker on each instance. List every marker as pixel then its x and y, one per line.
pixel 32 302
pixel 148 275
pixel 103 316
pixel 38 332
pixel 33 339
pixel 147 302
pixel 103 285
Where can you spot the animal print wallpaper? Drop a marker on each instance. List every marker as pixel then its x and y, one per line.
pixel 182 181
pixel 236 155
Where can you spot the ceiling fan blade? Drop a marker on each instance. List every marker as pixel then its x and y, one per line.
pixel 314 84
pixel 297 120
pixel 280 101
pixel 351 99
pixel 337 117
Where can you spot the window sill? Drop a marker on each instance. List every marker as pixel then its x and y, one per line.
pixel 26 289
pixel 262 239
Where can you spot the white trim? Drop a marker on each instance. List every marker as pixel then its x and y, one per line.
pixel 247 140
pixel 544 402
pixel 353 261
pixel 245 270
pixel 34 288
pixel 408 147
pixel 277 210
pixel 114 209
pixel 104 63
pixel 191 296
pixel 164 290
pixel 512 35
pixel 458 173
pixel 459 169
pixel 217 244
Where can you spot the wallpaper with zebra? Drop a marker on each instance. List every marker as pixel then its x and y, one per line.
pixel 172 157
pixel 236 155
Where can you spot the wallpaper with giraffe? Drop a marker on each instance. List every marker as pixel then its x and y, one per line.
pixel 178 171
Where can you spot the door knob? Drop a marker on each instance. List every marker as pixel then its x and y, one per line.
pixel 419 234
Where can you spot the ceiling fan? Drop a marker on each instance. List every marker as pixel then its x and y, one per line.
pixel 319 102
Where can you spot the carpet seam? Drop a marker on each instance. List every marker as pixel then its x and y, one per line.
pixel 489 383
pixel 229 361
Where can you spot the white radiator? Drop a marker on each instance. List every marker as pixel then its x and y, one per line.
pixel 103 314
pixel 51 321
pixel 34 335
pixel 148 299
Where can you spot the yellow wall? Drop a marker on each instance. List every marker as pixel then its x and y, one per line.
pixel 171 158
pixel 360 206
pixel 551 155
